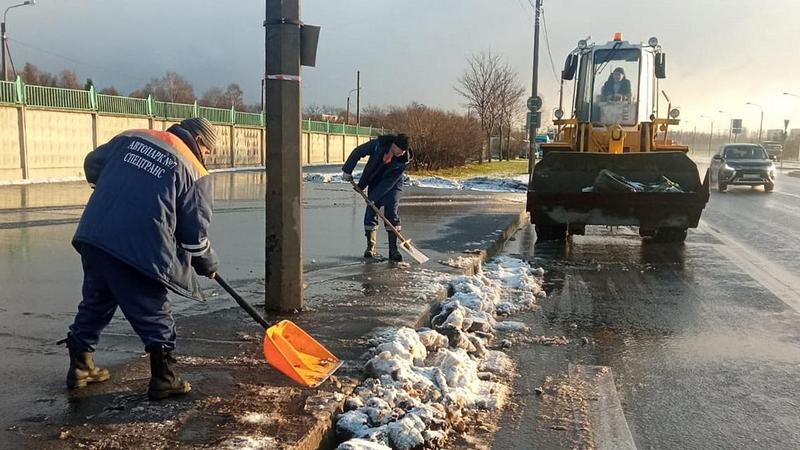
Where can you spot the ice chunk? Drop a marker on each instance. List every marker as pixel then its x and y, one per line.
pixel 362 444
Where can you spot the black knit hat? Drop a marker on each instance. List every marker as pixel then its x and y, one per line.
pixel 619 70
pixel 402 141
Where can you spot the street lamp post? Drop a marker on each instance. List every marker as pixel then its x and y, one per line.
pixel 710 136
pixel 5 36
pixel 347 111
pixel 761 124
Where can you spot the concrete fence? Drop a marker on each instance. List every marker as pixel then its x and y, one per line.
pixel 38 144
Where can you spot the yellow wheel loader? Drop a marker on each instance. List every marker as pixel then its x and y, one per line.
pixel 612 162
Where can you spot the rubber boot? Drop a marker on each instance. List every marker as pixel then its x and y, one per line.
pixel 81 366
pixel 394 253
pixel 163 380
pixel 372 239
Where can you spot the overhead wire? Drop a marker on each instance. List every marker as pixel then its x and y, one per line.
pixel 549 51
pixel 75 61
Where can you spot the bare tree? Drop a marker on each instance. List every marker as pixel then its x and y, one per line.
pixel 69 80
pixel 479 86
pixel 171 88
pixel 35 76
pixel 111 90
pixel 234 96
pixel 323 112
pixel 213 97
pixel 510 95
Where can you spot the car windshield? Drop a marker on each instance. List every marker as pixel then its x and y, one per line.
pixel 745 152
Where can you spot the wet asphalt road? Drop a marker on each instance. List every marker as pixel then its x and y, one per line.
pixel 40 273
pixel 703 338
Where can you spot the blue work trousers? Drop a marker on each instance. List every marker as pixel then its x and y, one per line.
pixel 391 209
pixel 108 283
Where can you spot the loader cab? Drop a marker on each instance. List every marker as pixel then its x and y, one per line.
pixel 604 99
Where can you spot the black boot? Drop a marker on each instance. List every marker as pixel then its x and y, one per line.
pixel 163 380
pixel 372 238
pixel 81 366
pixel 394 253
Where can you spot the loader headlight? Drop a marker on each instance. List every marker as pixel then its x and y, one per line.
pixel 559 113
pixel 582 44
pixel 653 42
pixel 674 113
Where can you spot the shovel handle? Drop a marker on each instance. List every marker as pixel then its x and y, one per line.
pixel 242 302
pixel 378 212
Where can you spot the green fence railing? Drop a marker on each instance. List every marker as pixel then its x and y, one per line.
pixel 248 118
pixel 8 92
pixel 175 111
pixel 59 98
pixel 218 115
pixel 114 104
pixel 17 92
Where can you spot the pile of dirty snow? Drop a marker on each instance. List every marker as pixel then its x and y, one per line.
pixel 495 184
pixel 333 178
pixel 435 182
pixel 423 384
pixel 483 184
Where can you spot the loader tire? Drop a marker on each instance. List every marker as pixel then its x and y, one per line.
pixel 670 235
pixel 579 230
pixel 551 233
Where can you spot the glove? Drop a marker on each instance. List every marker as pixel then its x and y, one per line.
pixel 207 264
pixel 347 176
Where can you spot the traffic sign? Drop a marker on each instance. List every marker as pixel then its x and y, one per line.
pixel 736 126
pixel 534 103
pixel 533 120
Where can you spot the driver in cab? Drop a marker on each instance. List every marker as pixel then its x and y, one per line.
pixel 617 88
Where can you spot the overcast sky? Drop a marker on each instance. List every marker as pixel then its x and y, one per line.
pixel 721 53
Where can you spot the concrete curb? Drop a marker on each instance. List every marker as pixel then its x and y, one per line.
pixel 496 246
pixel 322 435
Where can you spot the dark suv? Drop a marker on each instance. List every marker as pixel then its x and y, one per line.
pixel 742 164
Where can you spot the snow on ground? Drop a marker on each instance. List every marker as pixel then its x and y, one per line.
pixel 41 181
pixel 484 184
pixel 423 384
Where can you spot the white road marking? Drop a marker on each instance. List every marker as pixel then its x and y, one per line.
pixel 783 284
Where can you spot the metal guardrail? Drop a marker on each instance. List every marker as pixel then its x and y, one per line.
pixel 17 92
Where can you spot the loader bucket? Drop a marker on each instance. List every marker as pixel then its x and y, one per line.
pixel 297 355
pixel 556 193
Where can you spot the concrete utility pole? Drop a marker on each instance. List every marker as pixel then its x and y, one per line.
pixel 347 111
pixel 534 87
pixel 284 200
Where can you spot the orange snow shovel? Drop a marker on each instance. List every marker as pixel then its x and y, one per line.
pixel 290 349
pixel 405 244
